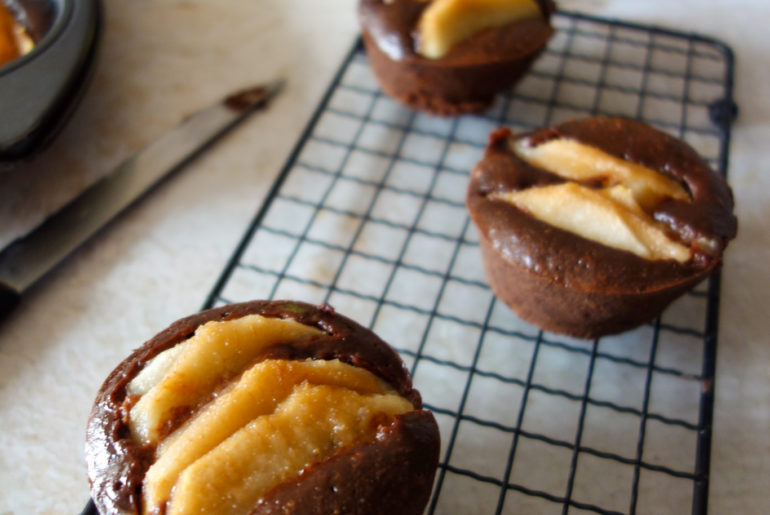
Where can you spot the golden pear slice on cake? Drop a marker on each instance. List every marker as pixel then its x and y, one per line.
pixel 608 216
pixel 579 162
pixel 257 393
pixel 217 352
pixel 309 426
pixel 446 22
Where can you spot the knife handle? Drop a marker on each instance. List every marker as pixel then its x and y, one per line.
pixel 8 299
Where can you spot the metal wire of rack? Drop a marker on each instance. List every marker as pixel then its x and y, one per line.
pixel 368 215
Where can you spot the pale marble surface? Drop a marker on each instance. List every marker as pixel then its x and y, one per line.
pixel 161 59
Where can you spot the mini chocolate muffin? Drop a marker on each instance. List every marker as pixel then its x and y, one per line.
pixel 593 227
pixel 261 407
pixel 456 61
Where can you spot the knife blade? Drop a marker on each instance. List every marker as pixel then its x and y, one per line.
pixel 25 261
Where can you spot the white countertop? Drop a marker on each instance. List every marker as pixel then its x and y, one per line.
pixel 161 60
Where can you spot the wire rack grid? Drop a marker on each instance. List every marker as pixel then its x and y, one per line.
pixel 368 215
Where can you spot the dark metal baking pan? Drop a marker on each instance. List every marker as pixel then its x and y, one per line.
pixel 39 90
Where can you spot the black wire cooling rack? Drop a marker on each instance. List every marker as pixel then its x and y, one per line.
pixel 368 215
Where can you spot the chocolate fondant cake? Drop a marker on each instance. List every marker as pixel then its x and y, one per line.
pixel 261 407
pixel 448 56
pixel 593 227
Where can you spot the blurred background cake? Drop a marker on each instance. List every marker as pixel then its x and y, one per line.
pixel 452 56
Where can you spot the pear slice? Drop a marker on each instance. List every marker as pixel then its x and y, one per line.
pixel 154 371
pixel 579 162
pixel 308 427
pixel 446 22
pixel 259 390
pixel 609 216
pixel 216 352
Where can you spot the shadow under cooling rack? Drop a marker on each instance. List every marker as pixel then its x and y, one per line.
pixel 368 215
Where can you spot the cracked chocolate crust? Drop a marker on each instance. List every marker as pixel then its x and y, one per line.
pixel 464 80
pixel 117 465
pixel 565 283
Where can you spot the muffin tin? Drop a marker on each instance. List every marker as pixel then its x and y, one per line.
pixel 368 214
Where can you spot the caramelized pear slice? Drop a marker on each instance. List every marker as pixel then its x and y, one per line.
pixel 257 393
pixel 446 22
pixel 311 425
pixel 154 371
pixel 218 351
pixel 579 162
pixel 609 216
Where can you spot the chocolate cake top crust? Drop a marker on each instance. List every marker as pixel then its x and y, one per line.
pixel 568 259
pixel 117 464
pixel 393 27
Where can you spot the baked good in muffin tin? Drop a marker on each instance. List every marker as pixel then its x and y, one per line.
pixel 450 57
pixel 594 226
pixel 261 407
